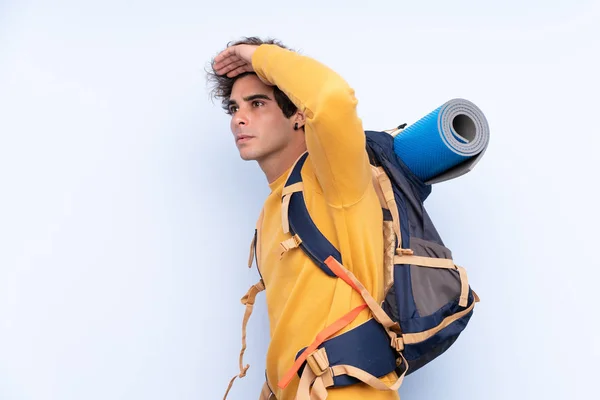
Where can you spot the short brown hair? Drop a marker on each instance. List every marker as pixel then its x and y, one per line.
pixel 222 85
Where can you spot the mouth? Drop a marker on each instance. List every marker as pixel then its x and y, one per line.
pixel 243 138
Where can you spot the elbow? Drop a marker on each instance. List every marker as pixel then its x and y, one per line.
pixel 333 101
pixel 338 98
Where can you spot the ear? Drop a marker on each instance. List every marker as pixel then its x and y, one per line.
pixel 299 118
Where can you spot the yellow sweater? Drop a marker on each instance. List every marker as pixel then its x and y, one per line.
pixel 301 299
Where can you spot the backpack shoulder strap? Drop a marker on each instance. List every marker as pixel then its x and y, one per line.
pixel 324 254
pixel 296 218
pixel 385 192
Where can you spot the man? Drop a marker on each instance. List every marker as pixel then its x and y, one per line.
pixel 283 104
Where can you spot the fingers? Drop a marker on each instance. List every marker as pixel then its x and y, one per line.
pixel 228 65
pixel 240 70
pixel 234 60
pixel 221 62
pixel 228 52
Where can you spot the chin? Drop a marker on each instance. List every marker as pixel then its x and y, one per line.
pixel 247 158
pixel 248 155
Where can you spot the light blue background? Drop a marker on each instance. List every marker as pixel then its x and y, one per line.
pixel 126 213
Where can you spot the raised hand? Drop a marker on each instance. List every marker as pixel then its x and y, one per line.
pixel 234 60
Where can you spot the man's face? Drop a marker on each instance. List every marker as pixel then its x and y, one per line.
pixel 259 127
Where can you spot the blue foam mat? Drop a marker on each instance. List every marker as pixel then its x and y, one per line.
pixel 448 136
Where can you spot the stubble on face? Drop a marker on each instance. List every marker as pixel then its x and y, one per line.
pixel 259 127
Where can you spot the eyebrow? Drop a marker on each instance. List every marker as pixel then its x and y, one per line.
pixel 250 98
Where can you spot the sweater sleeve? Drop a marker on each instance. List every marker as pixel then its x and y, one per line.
pixel 335 138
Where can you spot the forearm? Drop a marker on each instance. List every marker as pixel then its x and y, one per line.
pixel 334 134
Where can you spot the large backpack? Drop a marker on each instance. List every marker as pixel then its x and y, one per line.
pixel 428 300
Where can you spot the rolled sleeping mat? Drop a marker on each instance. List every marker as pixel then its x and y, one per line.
pixel 444 144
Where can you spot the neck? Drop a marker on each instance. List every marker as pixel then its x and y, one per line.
pixel 276 164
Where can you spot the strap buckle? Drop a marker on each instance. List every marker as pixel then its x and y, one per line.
pixel 289 244
pixel 318 361
pixel 396 342
pixel 404 252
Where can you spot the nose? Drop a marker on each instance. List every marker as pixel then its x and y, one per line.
pixel 240 118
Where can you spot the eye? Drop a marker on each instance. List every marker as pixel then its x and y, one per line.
pixel 257 103
pixel 232 109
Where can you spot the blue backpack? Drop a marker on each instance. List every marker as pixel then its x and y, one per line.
pixel 428 300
